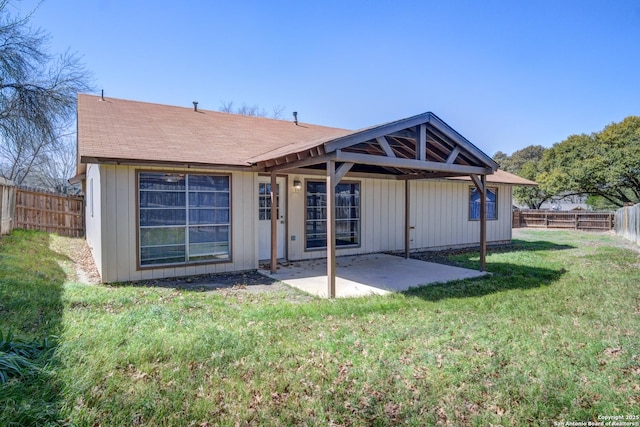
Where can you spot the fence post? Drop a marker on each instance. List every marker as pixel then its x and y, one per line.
pixel 610 220
pixel 2 190
pixel 627 222
pixel 637 228
pixel 7 205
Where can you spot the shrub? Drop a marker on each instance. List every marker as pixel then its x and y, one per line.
pixel 18 357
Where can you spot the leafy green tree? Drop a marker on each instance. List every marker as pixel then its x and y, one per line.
pixel 516 161
pixel 605 164
pixel 527 164
pixel 621 142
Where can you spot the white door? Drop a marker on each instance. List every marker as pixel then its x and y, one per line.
pixel 264 217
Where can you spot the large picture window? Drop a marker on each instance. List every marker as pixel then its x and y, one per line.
pixel 491 202
pixel 347 215
pixel 183 218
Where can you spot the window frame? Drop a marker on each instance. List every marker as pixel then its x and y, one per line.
pixel 306 207
pixel 494 190
pixel 186 263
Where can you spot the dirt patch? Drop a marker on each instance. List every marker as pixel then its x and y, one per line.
pixel 442 257
pixel 229 284
pixel 78 263
pixel 249 280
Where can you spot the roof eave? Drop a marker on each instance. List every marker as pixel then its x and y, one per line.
pixel 168 163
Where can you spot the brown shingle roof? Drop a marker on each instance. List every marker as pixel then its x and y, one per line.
pixel 130 130
pixel 117 129
pixel 502 177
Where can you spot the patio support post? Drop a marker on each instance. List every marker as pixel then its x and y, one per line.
pixel 421 142
pixel 274 223
pixel 331 228
pixel 407 226
pixel 483 222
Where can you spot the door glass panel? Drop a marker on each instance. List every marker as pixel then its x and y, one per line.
pixel 264 201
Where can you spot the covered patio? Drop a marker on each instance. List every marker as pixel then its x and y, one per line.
pixel 418 147
pixel 370 274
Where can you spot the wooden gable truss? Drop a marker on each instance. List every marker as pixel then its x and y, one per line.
pixel 419 147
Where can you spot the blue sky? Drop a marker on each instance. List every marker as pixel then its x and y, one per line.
pixel 505 74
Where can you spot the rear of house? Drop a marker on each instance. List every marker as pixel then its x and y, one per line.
pixel 174 192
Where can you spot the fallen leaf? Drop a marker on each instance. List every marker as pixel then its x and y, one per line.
pixel 613 352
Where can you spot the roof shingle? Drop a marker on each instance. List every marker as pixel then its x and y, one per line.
pixel 131 130
pixel 117 129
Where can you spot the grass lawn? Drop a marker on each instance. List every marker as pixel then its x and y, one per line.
pixel 551 336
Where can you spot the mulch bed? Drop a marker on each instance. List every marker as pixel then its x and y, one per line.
pixel 206 282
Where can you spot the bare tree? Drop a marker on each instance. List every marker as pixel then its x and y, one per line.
pixel 37 97
pixel 251 110
pixel 278 112
pixel 226 107
pixel 55 167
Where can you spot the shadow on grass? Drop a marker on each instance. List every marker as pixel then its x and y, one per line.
pixel 470 257
pixel 518 245
pixel 503 277
pixel 31 307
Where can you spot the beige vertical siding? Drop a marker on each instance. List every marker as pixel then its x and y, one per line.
pixel 93 223
pixel 439 216
pixel 119 228
pixel 439 213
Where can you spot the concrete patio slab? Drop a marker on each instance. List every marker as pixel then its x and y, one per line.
pixel 369 274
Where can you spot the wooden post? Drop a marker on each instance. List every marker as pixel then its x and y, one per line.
pixel 421 142
pixel 274 222
pixel 3 189
pixel 483 222
pixel 546 219
pixel 611 221
pixel 407 218
pixel 331 228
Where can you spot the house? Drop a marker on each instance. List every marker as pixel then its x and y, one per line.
pixel 566 203
pixel 173 191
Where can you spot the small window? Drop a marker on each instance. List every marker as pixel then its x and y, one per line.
pixel 347 215
pixel 491 202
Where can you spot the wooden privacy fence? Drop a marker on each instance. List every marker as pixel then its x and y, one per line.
pixel 50 212
pixel 628 223
pixel 7 205
pixel 588 221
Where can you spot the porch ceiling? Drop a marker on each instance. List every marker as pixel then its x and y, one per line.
pixel 418 147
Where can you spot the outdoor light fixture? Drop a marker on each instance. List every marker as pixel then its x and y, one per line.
pixel 297 185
